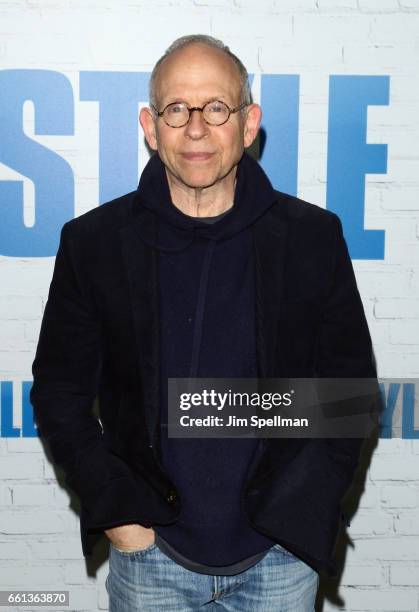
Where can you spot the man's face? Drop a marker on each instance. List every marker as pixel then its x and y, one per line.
pixel 199 155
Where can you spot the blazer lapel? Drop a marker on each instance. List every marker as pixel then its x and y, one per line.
pixel 270 239
pixel 142 270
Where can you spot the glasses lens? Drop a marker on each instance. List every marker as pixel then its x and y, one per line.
pixel 216 112
pixel 176 114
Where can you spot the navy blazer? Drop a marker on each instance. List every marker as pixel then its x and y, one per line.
pixel 99 338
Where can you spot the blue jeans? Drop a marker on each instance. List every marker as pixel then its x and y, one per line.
pixel 148 581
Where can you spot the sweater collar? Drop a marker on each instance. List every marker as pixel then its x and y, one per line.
pixel 254 195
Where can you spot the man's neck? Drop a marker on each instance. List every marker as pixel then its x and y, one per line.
pixel 203 202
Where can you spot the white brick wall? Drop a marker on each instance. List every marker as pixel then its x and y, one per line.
pixel 39 542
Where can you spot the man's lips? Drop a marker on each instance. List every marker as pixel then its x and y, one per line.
pixel 203 156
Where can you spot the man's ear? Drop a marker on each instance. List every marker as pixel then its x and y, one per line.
pixel 251 123
pixel 149 127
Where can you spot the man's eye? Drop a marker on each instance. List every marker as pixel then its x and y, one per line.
pixel 176 108
pixel 216 107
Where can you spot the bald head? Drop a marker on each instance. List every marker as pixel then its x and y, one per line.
pixel 197 69
pixel 201 42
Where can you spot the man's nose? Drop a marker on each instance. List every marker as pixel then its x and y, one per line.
pixel 196 127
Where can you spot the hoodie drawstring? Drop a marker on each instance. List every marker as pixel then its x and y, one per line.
pixel 200 307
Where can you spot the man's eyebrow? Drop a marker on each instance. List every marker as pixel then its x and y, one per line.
pixel 176 100
pixel 173 101
pixel 213 98
pixel 183 101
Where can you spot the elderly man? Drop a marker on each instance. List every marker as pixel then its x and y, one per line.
pixel 204 271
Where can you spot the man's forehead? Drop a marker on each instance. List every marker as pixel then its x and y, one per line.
pixel 198 69
pixel 198 96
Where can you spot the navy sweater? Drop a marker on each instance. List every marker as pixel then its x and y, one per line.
pixel 207 329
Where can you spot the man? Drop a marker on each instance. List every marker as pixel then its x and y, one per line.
pixel 204 271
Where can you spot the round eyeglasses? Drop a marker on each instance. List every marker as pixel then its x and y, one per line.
pixel 177 114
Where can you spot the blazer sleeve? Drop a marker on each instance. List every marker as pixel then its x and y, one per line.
pixel 66 373
pixel 322 470
pixel 344 351
pixel 345 348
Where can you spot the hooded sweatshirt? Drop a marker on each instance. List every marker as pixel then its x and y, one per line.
pixel 207 330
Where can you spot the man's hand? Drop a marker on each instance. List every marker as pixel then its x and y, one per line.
pixel 130 538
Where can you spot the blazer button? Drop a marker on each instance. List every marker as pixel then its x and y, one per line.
pixel 253 492
pixel 172 497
